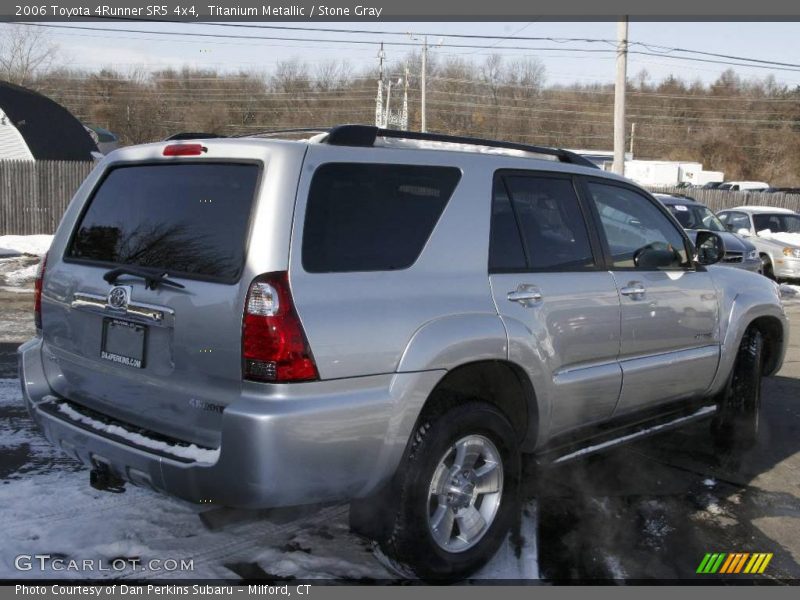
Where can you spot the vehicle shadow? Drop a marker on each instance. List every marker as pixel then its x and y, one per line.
pixel 651 510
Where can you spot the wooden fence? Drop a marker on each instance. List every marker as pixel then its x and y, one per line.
pixel 34 195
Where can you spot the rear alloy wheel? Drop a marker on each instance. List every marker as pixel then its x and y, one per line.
pixel 737 421
pixel 457 494
pixel 465 493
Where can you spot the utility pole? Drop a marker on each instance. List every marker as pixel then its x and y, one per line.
pixel 619 96
pixel 423 127
pixel 633 134
pixel 404 113
pixel 379 98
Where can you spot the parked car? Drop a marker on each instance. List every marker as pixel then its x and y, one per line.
pixel 694 216
pixel 785 190
pixel 712 185
pixel 775 232
pixel 744 186
pixel 382 316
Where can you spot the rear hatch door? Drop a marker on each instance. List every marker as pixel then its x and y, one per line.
pixel 163 357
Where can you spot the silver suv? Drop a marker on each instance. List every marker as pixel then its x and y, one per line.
pixel 387 317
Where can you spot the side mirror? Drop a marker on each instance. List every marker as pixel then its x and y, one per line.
pixel 710 248
pixel 744 232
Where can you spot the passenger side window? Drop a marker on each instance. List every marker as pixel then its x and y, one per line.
pixel 549 217
pixel 639 235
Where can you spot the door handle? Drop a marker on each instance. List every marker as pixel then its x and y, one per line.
pixel 527 295
pixel 634 288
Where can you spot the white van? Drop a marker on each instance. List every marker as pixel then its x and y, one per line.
pixel 744 186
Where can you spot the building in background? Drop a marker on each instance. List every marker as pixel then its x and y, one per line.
pixel 33 127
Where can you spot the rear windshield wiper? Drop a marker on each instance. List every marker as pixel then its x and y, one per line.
pixel 152 279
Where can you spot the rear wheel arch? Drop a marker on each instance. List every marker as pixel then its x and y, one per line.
pixel 497 382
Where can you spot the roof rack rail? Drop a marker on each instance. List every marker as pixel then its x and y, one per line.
pixel 271 132
pixel 365 135
pixel 192 135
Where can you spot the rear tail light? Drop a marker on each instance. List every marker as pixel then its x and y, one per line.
pixel 37 293
pixel 274 345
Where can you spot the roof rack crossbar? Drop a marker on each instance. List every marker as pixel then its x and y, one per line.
pixel 365 135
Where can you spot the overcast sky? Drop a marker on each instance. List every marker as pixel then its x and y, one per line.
pixel 766 41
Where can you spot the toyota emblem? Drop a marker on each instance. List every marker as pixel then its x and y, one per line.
pixel 118 298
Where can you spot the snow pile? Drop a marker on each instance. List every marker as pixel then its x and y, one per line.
pixel 793 239
pixel 191 452
pixel 22 276
pixel 14 245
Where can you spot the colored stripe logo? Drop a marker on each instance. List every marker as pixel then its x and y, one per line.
pixel 734 563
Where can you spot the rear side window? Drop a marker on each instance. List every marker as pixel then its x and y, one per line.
pixel 372 217
pixel 183 219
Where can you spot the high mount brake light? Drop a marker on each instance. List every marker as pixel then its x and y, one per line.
pixel 185 150
pixel 274 346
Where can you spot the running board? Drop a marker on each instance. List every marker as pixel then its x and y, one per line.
pixel 576 452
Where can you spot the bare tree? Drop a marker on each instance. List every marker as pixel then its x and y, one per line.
pixel 24 51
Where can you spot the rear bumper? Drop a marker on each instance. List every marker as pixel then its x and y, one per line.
pixel 286 445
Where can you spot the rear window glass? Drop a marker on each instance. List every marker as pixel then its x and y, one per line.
pixel 371 217
pixel 185 219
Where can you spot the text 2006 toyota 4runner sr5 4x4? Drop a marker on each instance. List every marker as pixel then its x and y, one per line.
pixel 387 317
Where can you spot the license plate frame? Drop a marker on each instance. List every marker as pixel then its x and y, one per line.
pixel 124 342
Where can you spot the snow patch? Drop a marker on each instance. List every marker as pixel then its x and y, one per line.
pixel 13 245
pixel 793 239
pixel 22 276
pixel 614 567
pixel 191 452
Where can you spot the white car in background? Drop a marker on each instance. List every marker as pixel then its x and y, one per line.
pixel 744 186
pixel 775 232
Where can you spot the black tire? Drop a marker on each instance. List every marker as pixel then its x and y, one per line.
pixel 766 267
pixel 410 548
pixel 737 421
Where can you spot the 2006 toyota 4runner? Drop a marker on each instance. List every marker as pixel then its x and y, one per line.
pixel 387 317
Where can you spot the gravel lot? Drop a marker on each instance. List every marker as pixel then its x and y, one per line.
pixel 648 510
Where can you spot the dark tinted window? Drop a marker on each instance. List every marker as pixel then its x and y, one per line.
pixel 505 247
pixel 184 219
pixel 369 217
pixel 639 235
pixel 777 222
pixel 551 221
